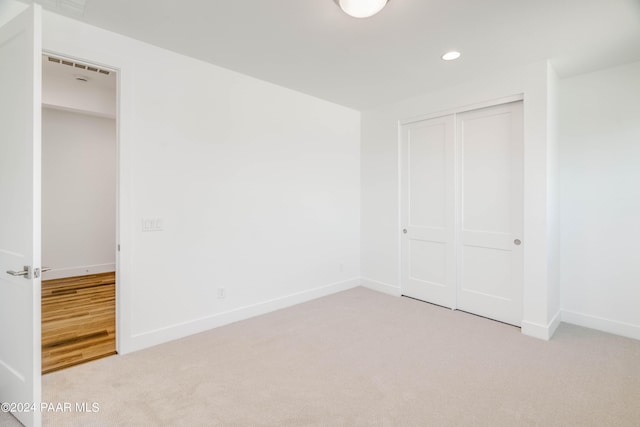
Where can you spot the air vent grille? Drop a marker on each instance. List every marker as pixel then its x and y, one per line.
pixel 78 65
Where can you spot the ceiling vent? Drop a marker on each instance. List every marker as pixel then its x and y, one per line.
pixel 78 65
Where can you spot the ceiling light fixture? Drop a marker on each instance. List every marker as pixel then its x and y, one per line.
pixel 361 8
pixel 450 56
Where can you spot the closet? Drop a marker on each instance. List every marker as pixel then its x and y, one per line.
pixel 79 191
pixel 462 211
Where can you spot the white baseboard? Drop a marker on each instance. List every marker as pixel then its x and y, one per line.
pixel 181 330
pixel 601 324
pixel 555 322
pixel 540 331
pixel 380 286
pixel 83 270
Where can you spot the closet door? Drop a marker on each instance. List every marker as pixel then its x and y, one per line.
pixel 490 200
pixel 427 194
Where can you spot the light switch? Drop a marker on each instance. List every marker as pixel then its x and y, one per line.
pixel 152 224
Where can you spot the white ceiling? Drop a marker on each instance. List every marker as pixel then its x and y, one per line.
pixel 311 46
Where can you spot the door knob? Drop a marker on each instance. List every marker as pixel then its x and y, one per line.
pixel 25 272
pixel 404 230
pixel 517 242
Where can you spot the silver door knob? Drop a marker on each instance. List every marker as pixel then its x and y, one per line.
pixel 26 272
pixel 517 242
pixel 404 230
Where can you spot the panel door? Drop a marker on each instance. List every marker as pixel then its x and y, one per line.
pixel 20 106
pixel 490 248
pixel 428 217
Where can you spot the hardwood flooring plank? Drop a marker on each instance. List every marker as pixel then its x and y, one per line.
pixel 78 320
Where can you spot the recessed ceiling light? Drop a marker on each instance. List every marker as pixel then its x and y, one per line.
pixel 450 56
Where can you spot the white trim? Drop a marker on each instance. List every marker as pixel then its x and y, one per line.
pixel 183 329
pixel 385 288
pixel 543 332
pixel 601 324
pixel 82 270
pixel 458 210
pixel 555 322
pixel 123 216
pixel 79 111
pixel 463 109
pixel 399 225
pixel 59 55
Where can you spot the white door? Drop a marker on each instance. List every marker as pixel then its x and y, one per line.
pixel 490 257
pixel 20 104
pixel 428 216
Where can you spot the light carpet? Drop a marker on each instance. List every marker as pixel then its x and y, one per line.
pixel 360 357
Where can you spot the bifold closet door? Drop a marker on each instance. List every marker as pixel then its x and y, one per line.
pixel 428 216
pixel 490 199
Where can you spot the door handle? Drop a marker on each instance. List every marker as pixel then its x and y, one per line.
pixel 26 272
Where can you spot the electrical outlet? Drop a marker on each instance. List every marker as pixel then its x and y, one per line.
pixel 221 293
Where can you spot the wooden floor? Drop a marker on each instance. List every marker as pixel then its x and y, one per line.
pixel 78 320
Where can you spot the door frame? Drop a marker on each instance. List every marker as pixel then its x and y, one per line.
pixel 119 181
pixel 415 119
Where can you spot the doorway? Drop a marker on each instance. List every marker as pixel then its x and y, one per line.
pixel 79 212
pixel 462 211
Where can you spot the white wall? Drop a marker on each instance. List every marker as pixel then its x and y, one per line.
pixel 380 193
pixel 257 186
pixel 62 92
pixel 78 193
pixel 9 9
pixel 553 199
pixel 600 191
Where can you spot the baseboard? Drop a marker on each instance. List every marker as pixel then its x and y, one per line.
pixel 540 331
pixel 181 330
pixel 555 322
pixel 83 270
pixel 601 324
pixel 380 286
